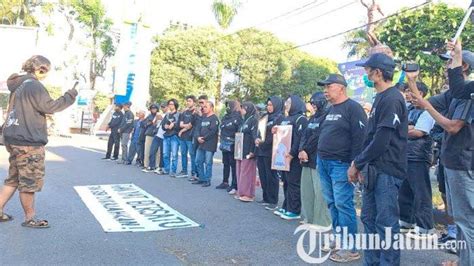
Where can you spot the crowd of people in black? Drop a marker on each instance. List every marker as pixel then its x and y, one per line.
pixel 335 146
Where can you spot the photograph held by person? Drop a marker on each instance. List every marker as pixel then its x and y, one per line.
pixel 207 138
pixel 415 195
pixel 114 137
pixel 385 151
pixel 457 151
pixel 230 124
pixel 247 167
pixel 170 125
pixel 269 179
pixel 125 130
pixel 314 207
pixel 25 136
pixel 295 110
pixel 185 135
pixel 341 139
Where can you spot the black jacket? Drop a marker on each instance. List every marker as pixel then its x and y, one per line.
pixel 265 149
pixel 116 121
pixel 418 149
pixel 26 123
pixel 209 130
pixel 231 123
pixel 126 126
pixel 296 117
pixel 249 129
pixel 167 120
pixel 310 138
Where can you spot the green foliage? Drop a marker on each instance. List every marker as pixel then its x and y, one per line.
pixel 426 29
pixel 18 12
pixel 191 61
pixel 54 92
pixel 224 12
pixel 91 13
pixel 101 101
pixel 357 43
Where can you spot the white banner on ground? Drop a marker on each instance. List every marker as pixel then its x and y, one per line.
pixel 128 208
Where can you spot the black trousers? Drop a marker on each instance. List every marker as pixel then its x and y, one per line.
pixel 113 143
pixel 229 165
pixel 291 187
pixel 414 197
pixel 269 179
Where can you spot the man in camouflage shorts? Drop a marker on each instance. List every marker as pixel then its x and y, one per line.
pixel 25 136
pixel 26 172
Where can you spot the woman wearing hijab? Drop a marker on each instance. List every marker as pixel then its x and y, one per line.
pixel 314 207
pixel 230 124
pixel 295 110
pixel 247 167
pixel 269 178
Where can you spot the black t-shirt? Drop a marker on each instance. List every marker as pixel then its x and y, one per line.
pixel 457 150
pixel 343 132
pixel 187 117
pixel 209 130
pixel 388 111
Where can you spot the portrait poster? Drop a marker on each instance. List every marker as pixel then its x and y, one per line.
pixel 262 127
pixel 239 145
pixel 281 147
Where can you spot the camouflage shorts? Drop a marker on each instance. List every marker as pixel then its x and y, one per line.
pixel 26 170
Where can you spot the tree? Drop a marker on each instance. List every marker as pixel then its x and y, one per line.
pixel 91 14
pixel 357 43
pixel 426 29
pixel 18 12
pixel 225 12
pixel 184 62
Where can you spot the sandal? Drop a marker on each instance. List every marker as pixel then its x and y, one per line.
pixel 36 224
pixel 5 217
pixel 344 256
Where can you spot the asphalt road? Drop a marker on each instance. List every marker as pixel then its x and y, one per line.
pixel 231 232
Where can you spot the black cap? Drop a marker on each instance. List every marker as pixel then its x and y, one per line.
pixel 333 78
pixel 380 61
pixel 127 103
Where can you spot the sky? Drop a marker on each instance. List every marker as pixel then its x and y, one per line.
pixel 306 25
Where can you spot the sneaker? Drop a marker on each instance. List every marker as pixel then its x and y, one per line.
pixel 232 191
pixel 406 229
pixel 161 172
pixel 114 159
pixel 290 216
pixel 223 186
pixel 128 163
pixel 173 175
pixel 148 170
pixel 271 207
pixel 206 184
pixel 329 247
pixel 182 174
pixel 344 256
pixel 158 171
pixel 448 243
pixel 198 182
pixel 416 235
pixel 279 212
pixel 105 158
pixel 193 178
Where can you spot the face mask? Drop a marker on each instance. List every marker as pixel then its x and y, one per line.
pixel 369 83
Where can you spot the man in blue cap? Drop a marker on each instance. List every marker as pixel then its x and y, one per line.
pixel 384 155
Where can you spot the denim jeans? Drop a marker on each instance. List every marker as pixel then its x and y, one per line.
pixel 156 144
pixel 132 151
pixel 170 152
pixel 460 196
pixel 380 210
pixel 204 164
pixel 339 194
pixel 187 147
pixel 414 199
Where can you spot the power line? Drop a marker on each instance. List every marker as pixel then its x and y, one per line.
pixel 326 13
pixel 346 31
